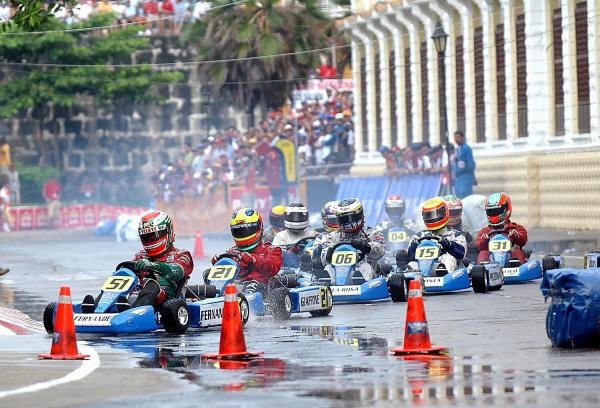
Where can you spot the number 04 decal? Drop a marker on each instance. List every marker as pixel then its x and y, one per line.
pixel 428 252
pixel 343 258
pixel 117 284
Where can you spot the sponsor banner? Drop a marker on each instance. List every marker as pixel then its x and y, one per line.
pixel 510 271
pixel 310 300
pixel 26 218
pixel 40 217
pixel 93 319
pixel 287 150
pixel 211 314
pixel 348 290
pixel 71 216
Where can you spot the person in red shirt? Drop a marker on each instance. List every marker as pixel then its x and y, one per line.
pixel 259 262
pixel 166 10
pixel 498 209
pixel 51 192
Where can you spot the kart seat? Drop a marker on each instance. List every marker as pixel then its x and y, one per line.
pixel 514 263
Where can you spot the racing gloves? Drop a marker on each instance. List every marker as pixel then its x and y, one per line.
pixel 445 243
pixel 246 258
pixel 362 245
pixel 513 234
pixel 162 269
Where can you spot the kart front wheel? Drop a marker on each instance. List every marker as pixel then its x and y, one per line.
pixel 548 263
pixel 329 301
pixel 175 316
pixel 244 308
pixel 397 287
pixel 478 280
pixel 49 318
pixel 281 303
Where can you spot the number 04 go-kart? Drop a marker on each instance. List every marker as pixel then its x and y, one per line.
pixel 174 315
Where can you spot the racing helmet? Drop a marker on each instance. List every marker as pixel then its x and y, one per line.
pixel 277 216
pixel 350 215
pixel 296 217
pixel 455 209
pixel 329 216
pixel 435 213
pixel 394 208
pixel 498 209
pixel 246 228
pixel 156 232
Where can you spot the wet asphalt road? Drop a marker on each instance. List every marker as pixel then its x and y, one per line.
pixel 499 352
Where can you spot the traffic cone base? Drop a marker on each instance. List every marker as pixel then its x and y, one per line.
pixel 399 351
pixel 248 355
pixel 64 340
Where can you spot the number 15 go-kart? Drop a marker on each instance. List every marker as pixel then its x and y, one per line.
pixel 174 315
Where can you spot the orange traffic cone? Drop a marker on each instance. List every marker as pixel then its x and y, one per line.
pixel 233 344
pixel 64 341
pixel 198 245
pixel 416 331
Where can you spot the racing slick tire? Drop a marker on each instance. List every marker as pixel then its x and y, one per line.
pixel 324 312
pixel 281 303
pixel 397 287
pixel 244 308
pixel 49 318
pixel 175 316
pixel 549 262
pixel 478 280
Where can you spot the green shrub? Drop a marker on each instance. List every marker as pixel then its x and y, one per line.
pixel 32 180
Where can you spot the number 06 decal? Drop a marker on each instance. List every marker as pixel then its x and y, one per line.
pixel 428 252
pixel 221 272
pixel 117 283
pixel 343 258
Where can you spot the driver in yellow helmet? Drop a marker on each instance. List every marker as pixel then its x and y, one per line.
pixel 276 223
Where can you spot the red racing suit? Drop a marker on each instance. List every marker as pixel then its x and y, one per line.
pixel 175 264
pixel 515 232
pixel 267 263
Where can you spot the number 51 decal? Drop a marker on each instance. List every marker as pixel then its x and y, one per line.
pixel 117 283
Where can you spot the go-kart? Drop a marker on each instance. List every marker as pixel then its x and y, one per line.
pixel 396 239
pixel 292 253
pixel 512 270
pixel 290 291
pixel 436 278
pixel 174 315
pixel 346 282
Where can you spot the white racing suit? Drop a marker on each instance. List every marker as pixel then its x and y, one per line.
pixel 451 254
pixel 368 265
pixel 285 238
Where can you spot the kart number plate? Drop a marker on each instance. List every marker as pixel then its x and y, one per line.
pixel 499 245
pixel 117 284
pixel 350 290
pixel 427 252
pixel 434 282
pixel 510 271
pixel 93 319
pixel 343 258
pixel 222 272
pixel 397 236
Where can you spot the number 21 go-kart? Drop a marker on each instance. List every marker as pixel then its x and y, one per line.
pixel 174 315
pixel 292 294
pixel 512 270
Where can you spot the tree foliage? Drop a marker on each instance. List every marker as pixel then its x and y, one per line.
pixel 262 29
pixel 32 14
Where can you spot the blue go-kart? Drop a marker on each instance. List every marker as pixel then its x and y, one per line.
pixel 291 291
pixel 175 316
pixel 347 283
pixel 436 278
pixel 512 269
pixel 397 239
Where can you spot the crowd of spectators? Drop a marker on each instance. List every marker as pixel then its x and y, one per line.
pixel 419 157
pixel 325 145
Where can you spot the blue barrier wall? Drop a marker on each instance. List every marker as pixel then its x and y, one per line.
pixel 372 191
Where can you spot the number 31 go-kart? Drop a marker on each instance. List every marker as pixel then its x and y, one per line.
pixel 512 270
pixel 174 315
pixel 291 293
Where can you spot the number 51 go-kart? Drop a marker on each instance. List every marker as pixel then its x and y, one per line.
pixel 174 315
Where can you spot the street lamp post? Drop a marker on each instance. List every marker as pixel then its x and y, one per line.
pixel 440 38
pixel 206 93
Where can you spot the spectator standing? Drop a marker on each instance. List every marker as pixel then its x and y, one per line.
pixel 151 12
pixel 200 8
pixel 5 12
pixel 4 204
pixel 188 155
pixel 181 8
pixel 4 156
pixel 167 9
pixel 14 185
pixel 463 167
pixel 51 192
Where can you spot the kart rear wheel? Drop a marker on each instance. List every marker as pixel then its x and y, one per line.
pixel 244 308
pixel 397 287
pixel 175 316
pixel 478 280
pixel 281 303
pixel 49 318
pixel 325 312
pixel 549 262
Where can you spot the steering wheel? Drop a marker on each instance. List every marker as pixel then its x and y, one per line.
pixel 229 255
pixel 299 242
pixel 429 238
pixel 361 254
pixel 131 266
pixel 498 232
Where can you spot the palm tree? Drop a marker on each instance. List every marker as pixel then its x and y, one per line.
pixel 254 31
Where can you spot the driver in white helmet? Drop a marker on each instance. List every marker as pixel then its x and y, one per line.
pixel 296 226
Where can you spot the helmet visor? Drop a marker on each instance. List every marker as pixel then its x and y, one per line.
pixel 151 235
pixel 495 211
pixel 435 215
pixel 348 220
pixel 296 217
pixel 241 231
pixel 455 212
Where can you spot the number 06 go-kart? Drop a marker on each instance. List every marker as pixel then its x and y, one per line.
pixel 174 315
pixel 291 292
pixel 512 270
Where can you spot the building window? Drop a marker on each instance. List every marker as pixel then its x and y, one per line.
pixel 363 102
pixel 393 104
pixel 583 76
pixel 424 92
pixel 501 81
pixel 479 90
pixel 521 77
pixel 408 88
pixel 460 85
pixel 559 96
